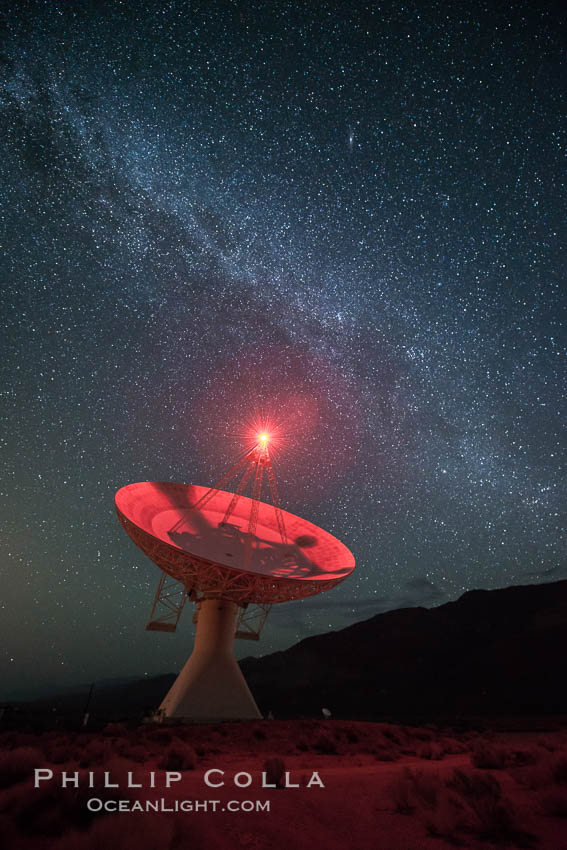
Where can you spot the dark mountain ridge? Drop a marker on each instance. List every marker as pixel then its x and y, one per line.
pixel 490 651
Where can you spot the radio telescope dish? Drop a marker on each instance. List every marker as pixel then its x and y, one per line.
pixel 225 551
pixel 207 555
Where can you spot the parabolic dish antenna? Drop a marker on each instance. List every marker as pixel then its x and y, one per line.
pixel 225 551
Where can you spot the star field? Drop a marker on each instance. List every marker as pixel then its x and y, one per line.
pixel 349 218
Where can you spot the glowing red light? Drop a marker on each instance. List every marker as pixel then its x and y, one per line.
pixel 262 431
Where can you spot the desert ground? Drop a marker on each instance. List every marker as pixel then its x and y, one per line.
pixel 390 786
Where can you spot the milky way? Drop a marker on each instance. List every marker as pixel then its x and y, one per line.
pixel 346 216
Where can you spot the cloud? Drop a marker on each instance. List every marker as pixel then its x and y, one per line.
pixel 420 590
pixel 551 574
pixel 307 614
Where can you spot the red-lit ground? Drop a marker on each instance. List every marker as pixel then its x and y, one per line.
pixel 386 786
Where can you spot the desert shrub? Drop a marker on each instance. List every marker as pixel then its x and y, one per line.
pixel 96 751
pixel 118 745
pixel 534 776
pixel 559 770
pixel 550 743
pixel 474 785
pixel 48 811
pixel 471 736
pixel 8 831
pixel 425 788
pixel 554 803
pixel 161 735
pixel 179 756
pixel 488 757
pixel 468 802
pixel 521 758
pixel 325 744
pixel 61 754
pixel 138 830
pixel 414 789
pixel 59 749
pixel 422 734
pixel 431 751
pixel 400 792
pixel 446 819
pixel 52 811
pixel 393 734
pixel 453 747
pixel 350 735
pixel 383 752
pixel 274 768
pixel 486 812
pixel 18 764
pixel 493 820
pixel 135 752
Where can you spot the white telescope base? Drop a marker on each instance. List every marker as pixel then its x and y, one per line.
pixel 211 685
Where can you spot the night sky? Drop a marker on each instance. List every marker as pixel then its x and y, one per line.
pixel 345 219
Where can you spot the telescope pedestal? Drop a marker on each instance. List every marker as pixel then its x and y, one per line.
pixel 211 685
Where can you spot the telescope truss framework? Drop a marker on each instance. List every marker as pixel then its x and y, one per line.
pixel 252 466
pixel 170 600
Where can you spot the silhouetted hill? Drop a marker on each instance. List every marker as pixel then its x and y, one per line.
pixel 131 699
pixel 491 651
